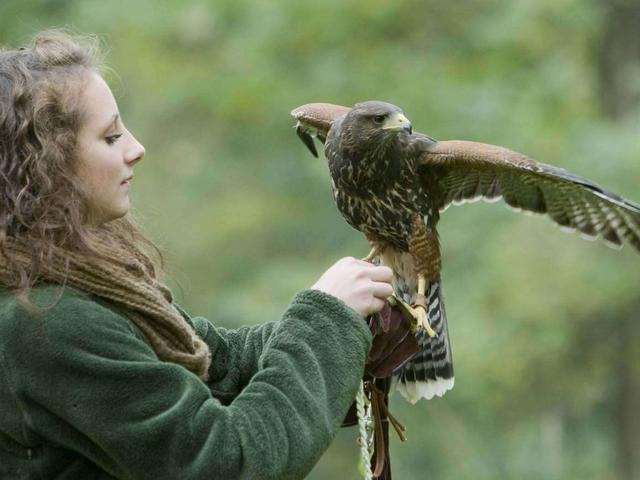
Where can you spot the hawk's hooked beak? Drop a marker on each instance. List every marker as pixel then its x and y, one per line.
pixel 397 121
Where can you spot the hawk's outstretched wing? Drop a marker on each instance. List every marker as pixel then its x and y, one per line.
pixel 461 171
pixel 465 171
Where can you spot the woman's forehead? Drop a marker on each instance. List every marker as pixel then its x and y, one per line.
pixel 100 106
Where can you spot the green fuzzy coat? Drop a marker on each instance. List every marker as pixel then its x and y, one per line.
pixel 83 395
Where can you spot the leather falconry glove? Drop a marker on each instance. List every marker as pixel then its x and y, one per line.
pixel 393 341
pixel 393 344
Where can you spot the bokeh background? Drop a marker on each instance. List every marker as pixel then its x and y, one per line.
pixel 545 326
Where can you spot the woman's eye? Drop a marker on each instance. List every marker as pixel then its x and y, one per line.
pixel 378 118
pixel 111 139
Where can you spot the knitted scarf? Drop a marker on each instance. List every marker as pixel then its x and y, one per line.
pixel 130 284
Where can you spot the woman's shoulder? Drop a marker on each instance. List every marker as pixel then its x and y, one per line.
pixel 48 299
pixel 56 307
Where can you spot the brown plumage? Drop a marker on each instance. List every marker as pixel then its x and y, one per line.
pixel 392 184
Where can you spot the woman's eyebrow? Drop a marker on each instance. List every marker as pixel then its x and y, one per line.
pixel 112 122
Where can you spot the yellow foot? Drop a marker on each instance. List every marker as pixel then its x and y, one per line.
pixel 418 312
pixel 422 319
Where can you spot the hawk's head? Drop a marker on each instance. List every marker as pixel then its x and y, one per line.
pixel 375 122
pixel 367 144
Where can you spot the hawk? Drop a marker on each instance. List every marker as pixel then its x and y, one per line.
pixel 392 184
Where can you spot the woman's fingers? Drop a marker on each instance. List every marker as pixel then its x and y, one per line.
pixel 381 274
pixel 361 285
pixel 382 290
pixel 375 305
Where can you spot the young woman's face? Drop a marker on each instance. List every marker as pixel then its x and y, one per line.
pixel 107 153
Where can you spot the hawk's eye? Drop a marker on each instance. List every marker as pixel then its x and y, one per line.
pixel 378 118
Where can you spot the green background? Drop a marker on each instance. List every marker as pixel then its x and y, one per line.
pixel 544 325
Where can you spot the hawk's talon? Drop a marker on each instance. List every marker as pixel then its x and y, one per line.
pixel 416 311
pixel 422 319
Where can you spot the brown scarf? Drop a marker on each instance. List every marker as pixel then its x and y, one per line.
pixel 131 286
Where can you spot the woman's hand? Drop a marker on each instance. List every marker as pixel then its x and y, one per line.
pixel 361 285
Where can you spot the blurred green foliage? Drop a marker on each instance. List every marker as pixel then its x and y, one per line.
pixel 246 218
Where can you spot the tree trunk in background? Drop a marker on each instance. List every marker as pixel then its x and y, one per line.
pixel 619 57
pixel 629 399
pixel 619 76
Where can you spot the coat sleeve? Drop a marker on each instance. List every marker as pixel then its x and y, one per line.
pixel 90 384
pixel 236 352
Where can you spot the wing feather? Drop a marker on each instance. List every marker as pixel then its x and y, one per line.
pixel 465 171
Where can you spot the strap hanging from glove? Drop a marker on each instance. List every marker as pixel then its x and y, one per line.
pixel 393 344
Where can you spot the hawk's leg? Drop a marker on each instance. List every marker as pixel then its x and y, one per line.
pixel 418 312
pixel 420 307
pixel 375 251
pixel 424 247
pixel 377 248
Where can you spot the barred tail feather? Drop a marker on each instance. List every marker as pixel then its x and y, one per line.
pixel 430 371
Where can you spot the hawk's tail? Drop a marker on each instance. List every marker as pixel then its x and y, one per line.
pixel 430 371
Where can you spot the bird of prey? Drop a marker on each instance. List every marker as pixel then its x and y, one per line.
pixel 392 184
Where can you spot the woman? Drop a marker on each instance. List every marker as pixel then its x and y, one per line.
pixel 101 374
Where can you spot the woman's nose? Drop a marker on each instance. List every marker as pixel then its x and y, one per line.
pixel 136 151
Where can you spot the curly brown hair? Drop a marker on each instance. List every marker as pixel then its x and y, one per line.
pixel 43 206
